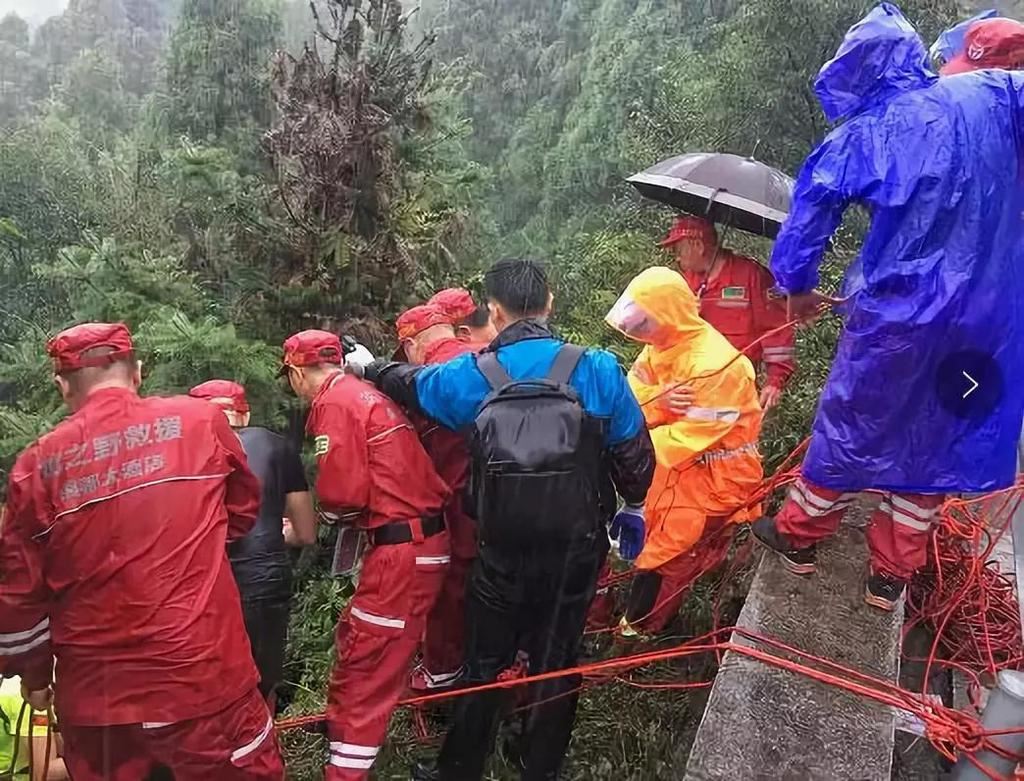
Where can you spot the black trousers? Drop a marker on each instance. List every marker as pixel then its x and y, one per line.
pixel 266 623
pixel 534 599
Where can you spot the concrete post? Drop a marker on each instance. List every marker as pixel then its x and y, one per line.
pixel 1004 711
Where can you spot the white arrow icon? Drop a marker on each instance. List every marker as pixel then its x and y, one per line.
pixel 974 385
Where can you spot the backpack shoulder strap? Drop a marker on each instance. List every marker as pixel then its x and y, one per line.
pixel 492 371
pixel 565 363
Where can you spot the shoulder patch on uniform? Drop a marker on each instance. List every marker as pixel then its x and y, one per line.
pixel 321 445
pixel 735 291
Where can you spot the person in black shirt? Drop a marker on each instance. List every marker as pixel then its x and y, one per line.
pixel 260 560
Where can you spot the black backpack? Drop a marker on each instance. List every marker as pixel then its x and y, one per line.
pixel 536 457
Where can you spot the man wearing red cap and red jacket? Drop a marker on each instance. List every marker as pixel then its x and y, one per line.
pixel 472 323
pixel 113 561
pixel 260 560
pixel 373 473
pixel 427 336
pixel 734 293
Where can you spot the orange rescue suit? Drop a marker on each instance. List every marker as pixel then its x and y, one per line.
pixel 707 460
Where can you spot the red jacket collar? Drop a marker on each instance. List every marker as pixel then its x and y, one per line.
pixel 107 393
pixel 445 349
pixel 329 382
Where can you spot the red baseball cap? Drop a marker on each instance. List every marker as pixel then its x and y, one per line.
pixel 224 392
pixel 456 303
pixel 689 227
pixel 989 43
pixel 413 321
pixel 309 348
pixel 67 348
pixel 418 319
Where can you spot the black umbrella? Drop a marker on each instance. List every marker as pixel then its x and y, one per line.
pixel 737 191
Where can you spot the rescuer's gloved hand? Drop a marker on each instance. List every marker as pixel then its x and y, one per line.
pixel 372 370
pixel 628 528
pixel 359 356
pixel 356 355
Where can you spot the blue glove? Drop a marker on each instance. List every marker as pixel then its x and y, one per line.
pixel 628 528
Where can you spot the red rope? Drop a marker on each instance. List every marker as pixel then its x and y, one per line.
pixel 948 730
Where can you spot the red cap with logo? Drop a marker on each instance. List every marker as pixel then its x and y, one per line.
pixel 989 43
pixel 688 227
pixel 225 393
pixel 418 319
pixel 309 348
pixel 456 303
pixel 67 348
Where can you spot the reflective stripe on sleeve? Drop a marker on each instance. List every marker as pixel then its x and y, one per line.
pixel 729 414
pixel 778 354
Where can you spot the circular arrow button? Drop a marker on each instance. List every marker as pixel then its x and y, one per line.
pixel 969 384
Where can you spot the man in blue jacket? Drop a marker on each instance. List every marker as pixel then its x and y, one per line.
pixel 532 583
pixel 926 393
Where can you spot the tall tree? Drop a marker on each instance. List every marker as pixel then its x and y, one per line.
pixel 343 107
pixel 218 66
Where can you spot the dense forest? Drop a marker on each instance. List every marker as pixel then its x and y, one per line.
pixel 221 173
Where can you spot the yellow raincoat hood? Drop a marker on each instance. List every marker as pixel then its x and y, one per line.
pixel 663 308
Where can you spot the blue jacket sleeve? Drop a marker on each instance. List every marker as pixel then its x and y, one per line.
pixel 629 451
pixel 819 200
pixel 626 416
pixel 451 392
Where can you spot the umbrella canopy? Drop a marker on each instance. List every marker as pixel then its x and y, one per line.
pixel 737 191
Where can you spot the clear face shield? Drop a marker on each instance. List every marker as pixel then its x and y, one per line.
pixel 632 321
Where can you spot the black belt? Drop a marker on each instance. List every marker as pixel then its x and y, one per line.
pixel 406 531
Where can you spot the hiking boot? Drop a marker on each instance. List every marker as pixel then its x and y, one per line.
pixel 799 561
pixel 884 591
pixel 421 771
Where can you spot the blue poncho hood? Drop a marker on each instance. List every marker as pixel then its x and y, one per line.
pixel 880 55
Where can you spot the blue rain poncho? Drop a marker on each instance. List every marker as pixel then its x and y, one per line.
pixel 938 165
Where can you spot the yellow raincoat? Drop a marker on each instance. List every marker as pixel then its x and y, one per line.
pixel 707 459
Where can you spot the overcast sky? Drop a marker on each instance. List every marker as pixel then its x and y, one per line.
pixel 35 11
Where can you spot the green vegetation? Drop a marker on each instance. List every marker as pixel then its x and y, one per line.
pixel 220 173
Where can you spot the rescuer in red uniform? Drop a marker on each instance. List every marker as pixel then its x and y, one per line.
pixel 373 473
pixel 427 335
pixel 472 323
pixel 734 293
pixel 114 562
